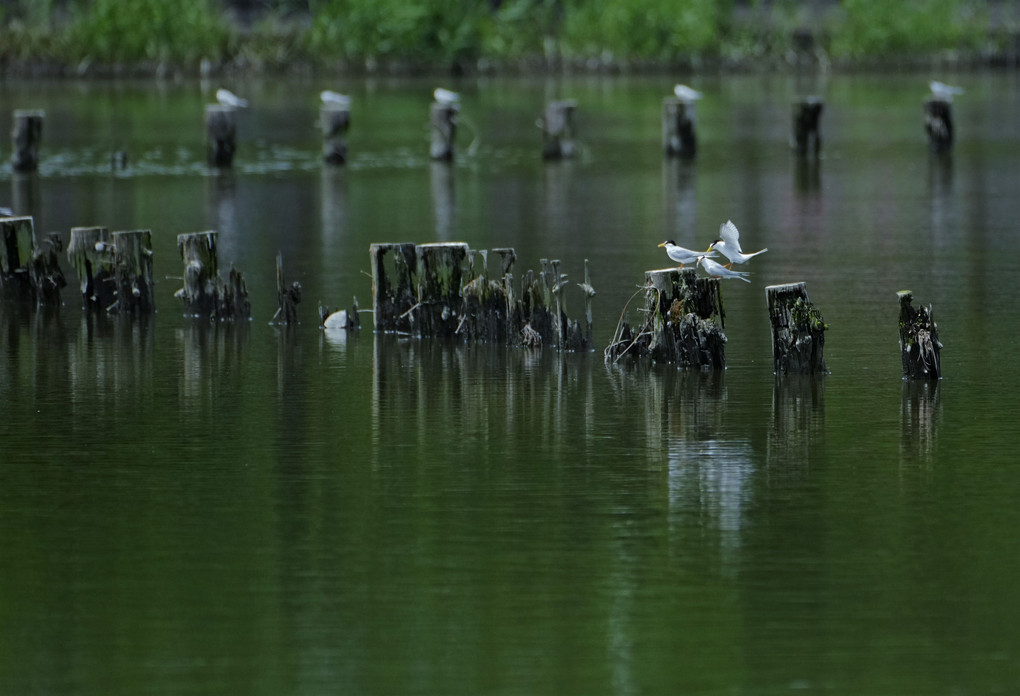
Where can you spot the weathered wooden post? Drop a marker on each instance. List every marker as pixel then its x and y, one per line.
pixel 26 135
pixel 334 120
pixel 443 122
pixel 938 123
pixel 807 118
pixel 93 256
pixel 678 127
pixel 557 126
pixel 440 272
pixel 798 331
pixel 287 297
pixel 683 324
pixel 394 299
pixel 919 340
pixel 221 134
pixel 47 277
pixel 17 242
pixel 204 292
pixel 135 286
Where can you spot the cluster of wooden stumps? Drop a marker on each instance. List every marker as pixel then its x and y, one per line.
pixel 446 291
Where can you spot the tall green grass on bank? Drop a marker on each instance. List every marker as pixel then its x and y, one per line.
pixel 473 34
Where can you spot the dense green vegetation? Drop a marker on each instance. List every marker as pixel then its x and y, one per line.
pixel 453 34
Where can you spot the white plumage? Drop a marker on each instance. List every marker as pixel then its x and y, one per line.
pixel 717 271
pixel 328 96
pixel 228 98
pixel 685 93
pixel 940 90
pixel 445 97
pixel 728 244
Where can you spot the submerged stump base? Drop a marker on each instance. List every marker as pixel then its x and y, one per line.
pixel 683 324
pixel 919 340
pixel 798 331
pixel 443 291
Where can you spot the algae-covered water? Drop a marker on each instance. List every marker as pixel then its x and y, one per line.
pixel 195 509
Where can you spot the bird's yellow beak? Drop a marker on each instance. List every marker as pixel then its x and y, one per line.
pixel 663 244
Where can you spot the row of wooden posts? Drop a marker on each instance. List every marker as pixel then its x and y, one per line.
pixel 445 291
pixel 679 137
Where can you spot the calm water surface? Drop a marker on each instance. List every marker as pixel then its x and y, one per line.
pixel 193 509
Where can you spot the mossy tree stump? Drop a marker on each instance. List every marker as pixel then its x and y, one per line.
pixel 205 294
pixel 679 138
pixel 684 318
pixel 26 135
pixel 394 288
pixel 938 124
pixel 136 287
pixel 807 121
pixel 93 256
pixel 557 124
pixel 798 330
pixel 919 340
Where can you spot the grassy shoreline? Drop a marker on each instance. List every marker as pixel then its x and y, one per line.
pixel 195 37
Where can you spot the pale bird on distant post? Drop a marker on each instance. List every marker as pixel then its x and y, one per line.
pixel 328 96
pixel 942 91
pixel 685 93
pixel 728 245
pixel 228 98
pixel 446 97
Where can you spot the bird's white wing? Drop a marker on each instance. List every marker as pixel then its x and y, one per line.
pixel 729 233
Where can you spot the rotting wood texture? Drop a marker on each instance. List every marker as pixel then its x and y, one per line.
pixel 798 330
pixel 919 340
pixel 205 293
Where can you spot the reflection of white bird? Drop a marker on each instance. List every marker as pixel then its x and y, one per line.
pixel 328 96
pixel 683 256
pixel 717 271
pixel 446 97
pixel 228 98
pixel 729 245
pixel 942 91
pixel 685 93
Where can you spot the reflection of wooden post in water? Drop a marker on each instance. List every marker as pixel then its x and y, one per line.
pixel 678 121
pixel 557 126
pixel 334 119
pixel 443 122
pixel 133 270
pixel 26 135
pixel 221 134
pixel 683 324
pixel 204 292
pixel 807 118
pixel 919 340
pixel 919 411
pixel 938 124
pixel 287 297
pixel 26 271
pixel 798 331
pixel 93 256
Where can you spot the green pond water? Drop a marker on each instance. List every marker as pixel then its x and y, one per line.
pixel 194 509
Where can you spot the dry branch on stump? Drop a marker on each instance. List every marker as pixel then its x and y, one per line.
pixel 683 324
pixel 919 340
pixel 798 331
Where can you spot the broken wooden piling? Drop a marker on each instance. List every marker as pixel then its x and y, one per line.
pixel 684 318
pixel 443 129
pixel 798 331
pixel 919 340
pixel 679 138
pixel 938 123
pixel 221 134
pixel 557 124
pixel 135 285
pixel 26 135
pixel 28 272
pixel 288 296
pixel 92 254
pixel 807 119
pixel 205 293
pixel 444 291
pixel 334 120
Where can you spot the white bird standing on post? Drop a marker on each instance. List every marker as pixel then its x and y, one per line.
pixel 728 245
pixel 228 98
pixel 328 96
pixel 715 270
pixel 685 93
pixel 446 97
pixel 942 91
